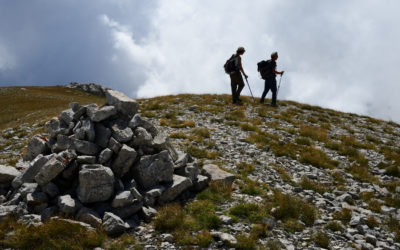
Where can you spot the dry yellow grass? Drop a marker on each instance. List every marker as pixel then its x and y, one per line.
pixel 30 104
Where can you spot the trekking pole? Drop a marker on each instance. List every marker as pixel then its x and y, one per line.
pixel 279 85
pixel 250 90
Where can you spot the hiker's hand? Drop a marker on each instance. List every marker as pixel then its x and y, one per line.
pixel 282 72
pixel 246 76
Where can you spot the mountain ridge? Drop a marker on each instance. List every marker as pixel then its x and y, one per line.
pixel 336 162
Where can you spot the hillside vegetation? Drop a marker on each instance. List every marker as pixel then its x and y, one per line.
pixel 306 176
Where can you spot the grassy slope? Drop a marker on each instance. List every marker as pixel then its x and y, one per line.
pixel 306 125
pixel 30 104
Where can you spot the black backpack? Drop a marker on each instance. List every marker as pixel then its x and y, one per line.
pixel 265 69
pixel 230 65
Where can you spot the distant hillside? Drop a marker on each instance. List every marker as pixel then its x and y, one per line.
pixel 307 177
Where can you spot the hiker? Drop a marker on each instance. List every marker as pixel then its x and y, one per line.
pixel 268 73
pixel 237 83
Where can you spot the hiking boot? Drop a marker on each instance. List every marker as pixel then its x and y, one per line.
pixel 274 105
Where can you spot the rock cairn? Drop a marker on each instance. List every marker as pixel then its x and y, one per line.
pixel 100 165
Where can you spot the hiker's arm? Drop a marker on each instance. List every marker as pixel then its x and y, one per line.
pixel 277 72
pixel 240 66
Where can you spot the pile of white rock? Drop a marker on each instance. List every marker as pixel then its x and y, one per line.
pixel 100 165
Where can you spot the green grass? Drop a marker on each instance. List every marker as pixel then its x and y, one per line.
pixel 201 153
pixel 334 226
pixel 54 234
pixel 249 211
pixel 216 192
pixel 321 239
pixel 343 215
pixel 245 168
pixel 38 103
pixel 313 132
pixel 290 207
pixel 306 183
pixel 317 158
pixel 361 173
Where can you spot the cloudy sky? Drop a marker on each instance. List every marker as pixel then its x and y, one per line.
pixel 342 54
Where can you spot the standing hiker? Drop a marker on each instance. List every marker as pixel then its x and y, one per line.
pixel 268 73
pixel 233 67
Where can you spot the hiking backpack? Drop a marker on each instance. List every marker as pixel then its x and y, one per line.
pixel 230 65
pixel 265 69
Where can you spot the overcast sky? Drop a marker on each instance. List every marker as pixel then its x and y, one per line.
pixel 342 54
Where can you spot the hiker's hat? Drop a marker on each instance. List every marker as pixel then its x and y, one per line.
pixel 240 49
pixel 274 54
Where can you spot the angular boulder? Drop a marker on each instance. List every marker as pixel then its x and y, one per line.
pixel 113 225
pixel 178 185
pixel 103 135
pixel 124 104
pixel 85 147
pixel 122 199
pixel 137 121
pixel 217 175
pixel 50 170
pixel 124 161
pixel 8 174
pixel 36 145
pixel 66 204
pixel 154 169
pixel 96 183
pixel 97 115
pixel 89 216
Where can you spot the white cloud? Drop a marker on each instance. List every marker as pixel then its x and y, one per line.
pixel 337 54
pixel 330 51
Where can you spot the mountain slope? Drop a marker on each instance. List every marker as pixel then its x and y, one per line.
pixel 306 176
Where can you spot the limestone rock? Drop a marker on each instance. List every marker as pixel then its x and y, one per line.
pixel 96 183
pixel 8 174
pixel 113 225
pixel 89 216
pixel 121 132
pixel 67 116
pixel 154 169
pixel 123 161
pixel 217 175
pixel 97 115
pixel 124 104
pixel 137 121
pixel 68 205
pixel 122 199
pixel 85 147
pixel 105 155
pixel 36 145
pixel 49 171
pixel 103 135
pixel 178 185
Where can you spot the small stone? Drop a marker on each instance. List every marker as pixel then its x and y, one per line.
pixel 226 219
pixel 178 185
pixel 105 155
pixel 113 225
pixel 36 145
pixel 86 159
pixel 89 216
pixel 68 205
pixel 101 114
pixel 122 199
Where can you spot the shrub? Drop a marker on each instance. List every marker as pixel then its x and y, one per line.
pixel 344 215
pixel 248 127
pixel 303 141
pixel 259 231
pixel 317 158
pixel 334 226
pixel 285 149
pixel 361 173
pixel 393 171
pixel 251 188
pixel 313 132
pixel 203 213
pixel 292 225
pixel 53 234
pixel 245 168
pixel 289 207
pixel 371 222
pixel 394 226
pixel 169 218
pixel 236 115
pixel 306 183
pixel 249 211
pixel 245 242
pixel 202 132
pixel 201 153
pixel 321 239
pixel 204 238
